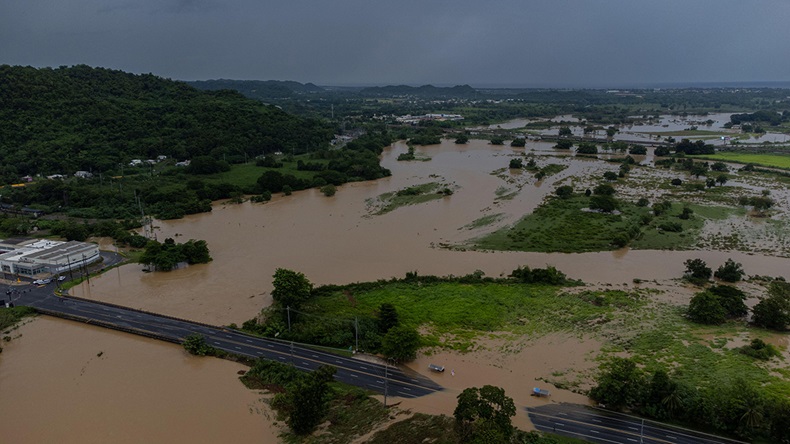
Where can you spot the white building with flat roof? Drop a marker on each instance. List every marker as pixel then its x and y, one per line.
pixel 33 257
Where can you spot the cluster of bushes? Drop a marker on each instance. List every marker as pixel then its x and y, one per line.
pixel 548 276
pixel 722 302
pixel 697 271
pixel 166 256
pixel 688 147
pixel 736 407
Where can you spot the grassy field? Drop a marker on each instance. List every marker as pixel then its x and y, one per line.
pixel 767 160
pixel 414 195
pixel 247 174
pixel 563 225
pixel 484 221
pixel 704 356
pixel 456 314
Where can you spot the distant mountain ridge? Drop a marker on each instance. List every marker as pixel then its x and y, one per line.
pixel 419 91
pixel 259 89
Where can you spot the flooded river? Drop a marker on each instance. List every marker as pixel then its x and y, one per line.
pixel 62 382
pixel 336 240
pixel 53 371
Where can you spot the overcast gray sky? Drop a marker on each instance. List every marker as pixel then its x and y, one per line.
pixel 347 42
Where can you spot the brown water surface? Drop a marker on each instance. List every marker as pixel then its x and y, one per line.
pixel 141 390
pixel 62 382
pixel 336 240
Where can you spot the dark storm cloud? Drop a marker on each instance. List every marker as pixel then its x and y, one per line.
pixel 541 42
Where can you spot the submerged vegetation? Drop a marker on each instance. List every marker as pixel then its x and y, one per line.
pixel 412 195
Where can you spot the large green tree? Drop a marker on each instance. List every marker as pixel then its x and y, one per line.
pixel 291 288
pixel 620 384
pixel 306 400
pixel 774 310
pixel 388 318
pixel 483 415
pixel 731 271
pixel 706 308
pixel 401 343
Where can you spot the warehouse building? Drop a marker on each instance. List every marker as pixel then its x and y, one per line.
pixel 35 257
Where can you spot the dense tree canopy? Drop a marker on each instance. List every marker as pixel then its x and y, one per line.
pixel 58 121
pixel 291 288
pixel 166 256
pixel 483 415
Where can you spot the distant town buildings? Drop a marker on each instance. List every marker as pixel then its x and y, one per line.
pixel 440 117
pixel 33 257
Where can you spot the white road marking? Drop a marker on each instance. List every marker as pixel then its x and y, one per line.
pixel 354 376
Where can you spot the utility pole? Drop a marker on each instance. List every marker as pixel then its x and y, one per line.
pixel 356 329
pixel 288 310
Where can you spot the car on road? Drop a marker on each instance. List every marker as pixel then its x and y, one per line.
pixel 46 281
pixel 38 282
pixel 61 278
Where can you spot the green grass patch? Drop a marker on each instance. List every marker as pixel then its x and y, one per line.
pixel 455 314
pixel 552 169
pixel 564 225
pixel 700 355
pixel 413 195
pixel 558 225
pixel 760 159
pixel 10 316
pixel 246 175
pixel 484 221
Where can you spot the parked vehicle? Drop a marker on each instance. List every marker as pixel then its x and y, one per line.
pixel 539 392
pixel 436 368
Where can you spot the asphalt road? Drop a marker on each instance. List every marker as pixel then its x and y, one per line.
pixel 601 426
pixel 360 373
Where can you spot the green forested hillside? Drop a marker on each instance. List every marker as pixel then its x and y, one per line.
pixel 58 121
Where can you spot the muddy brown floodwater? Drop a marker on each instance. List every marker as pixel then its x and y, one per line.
pixel 145 391
pixel 335 239
pixel 63 382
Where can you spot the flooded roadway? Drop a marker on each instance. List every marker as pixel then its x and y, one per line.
pixel 144 391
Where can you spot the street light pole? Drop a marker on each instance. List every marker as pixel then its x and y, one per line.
pixel 642 432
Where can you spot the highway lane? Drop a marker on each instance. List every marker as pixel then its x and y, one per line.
pixel 349 370
pixel 601 426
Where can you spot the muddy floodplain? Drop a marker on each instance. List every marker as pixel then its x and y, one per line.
pixel 100 386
